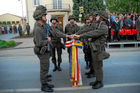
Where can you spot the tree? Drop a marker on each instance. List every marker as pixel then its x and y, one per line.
pixel 88 5
pixel 123 6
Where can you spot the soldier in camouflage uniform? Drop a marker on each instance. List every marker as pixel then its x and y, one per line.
pixel 71 29
pixel 86 28
pixel 41 49
pixel 97 47
pixel 56 45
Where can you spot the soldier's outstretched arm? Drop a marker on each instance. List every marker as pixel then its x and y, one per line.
pixel 95 33
pixel 58 33
pixel 38 39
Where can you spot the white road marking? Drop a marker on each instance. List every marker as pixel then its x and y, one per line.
pixel 69 88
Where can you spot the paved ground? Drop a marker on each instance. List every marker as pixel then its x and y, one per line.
pixel 8 36
pixel 19 72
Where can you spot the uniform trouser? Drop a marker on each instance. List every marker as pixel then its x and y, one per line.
pixel 97 65
pixel 44 67
pixel 59 53
pixel 68 50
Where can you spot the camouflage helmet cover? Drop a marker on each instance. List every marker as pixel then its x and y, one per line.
pixel 38 14
pixel 71 17
pixel 53 18
pixel 41 7
pixel 103 14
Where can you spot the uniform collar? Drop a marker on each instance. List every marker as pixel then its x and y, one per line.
pixel 41 25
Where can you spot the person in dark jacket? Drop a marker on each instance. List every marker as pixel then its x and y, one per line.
pixel 20 29
pixel 28 29
pixel 116 27
pixel 138 28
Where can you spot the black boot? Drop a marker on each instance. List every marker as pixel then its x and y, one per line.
pixel 98 85
pixel 48 76
pixel 55 68
pixel 59 68
pixel 93 83
pixel 49 80
pixel 45 88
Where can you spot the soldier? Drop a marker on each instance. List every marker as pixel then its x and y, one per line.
pixel 56 45
pixel 28 29
pixel 86 28
pixel 98 40
pixel 20 29
pixel 71 29
pixel 41 49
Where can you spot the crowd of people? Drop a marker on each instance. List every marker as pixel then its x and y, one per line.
pixel 9 29
pixel 117 21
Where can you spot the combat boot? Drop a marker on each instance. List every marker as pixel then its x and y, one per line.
pixel 55 68
pixel 59 68
pixel 97 85
pixel 46 88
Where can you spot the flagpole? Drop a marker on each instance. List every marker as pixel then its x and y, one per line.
pixel 22 14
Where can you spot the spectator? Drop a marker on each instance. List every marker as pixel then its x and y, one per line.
pixel 128 22
pixel 10 29
pixel 121 18
pixel 112 18
pixel 116 27
pixel 134 14
pixel 20 29
pixel 109 28
pixel 5 29
pixel 15 28
pixel 28 29
pixel 134 23
pixel 138 28
pixel 0 30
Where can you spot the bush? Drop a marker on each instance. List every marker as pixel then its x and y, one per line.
pixel 4 44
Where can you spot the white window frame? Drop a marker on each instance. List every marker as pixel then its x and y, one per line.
pixel 34 3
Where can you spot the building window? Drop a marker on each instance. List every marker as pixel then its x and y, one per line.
pixel 57 4
pixel 13 22
pixel 36 2
pixel 17 22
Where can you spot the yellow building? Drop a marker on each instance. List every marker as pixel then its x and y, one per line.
pixel 60 8
pixel 13 19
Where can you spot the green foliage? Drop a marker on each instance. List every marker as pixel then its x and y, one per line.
pixel 123 6
pixel 4 44
pixel 8 23
pixel 89 6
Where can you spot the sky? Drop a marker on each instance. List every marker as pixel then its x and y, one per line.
pixel 13 7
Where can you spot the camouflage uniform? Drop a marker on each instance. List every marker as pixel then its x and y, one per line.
pixel 56 45
pixel 41 43
pixel 98 48
pixel 86 46
pixel 71 29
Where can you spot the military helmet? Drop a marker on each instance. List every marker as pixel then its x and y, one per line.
pixel 53 18
pixel 38 14
pixel 103 14
pixel 41 7
pixel 86 17
pixel 71 17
